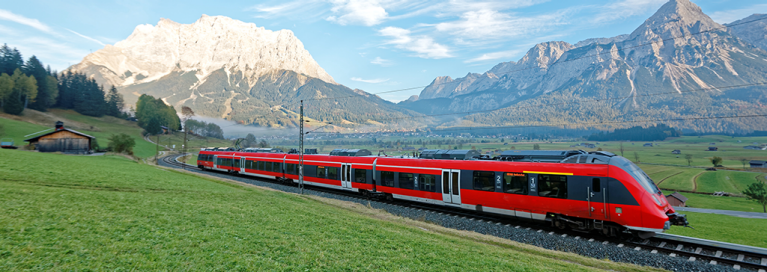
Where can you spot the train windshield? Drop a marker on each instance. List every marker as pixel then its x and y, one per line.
pixel 636 173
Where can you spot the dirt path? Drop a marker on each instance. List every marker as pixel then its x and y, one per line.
pixel 695 182
pixel 664 179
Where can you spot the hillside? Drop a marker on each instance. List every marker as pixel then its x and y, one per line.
pixel 17 127
pixel 225 68
pixel 678 64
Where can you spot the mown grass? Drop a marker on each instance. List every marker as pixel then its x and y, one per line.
pixel 104 127
pixel 725 228
pixel 93 213
pixel 720 202
pixel 726 181
pixel 683 181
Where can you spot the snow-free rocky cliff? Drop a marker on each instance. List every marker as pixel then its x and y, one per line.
pixel 678 50
pixel 225 68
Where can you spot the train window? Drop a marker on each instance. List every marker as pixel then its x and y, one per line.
pixel 218 161
pixel 291 168
pixel 387 178
pixel 260 165
pixel 333 173
pixel 201 157
pixel 595 185
pixel 515 183
pixel 571 159
pixel 406 181
pixel 483 181
pixel 277 167
pixel 552 186
pixel 321 172
pixel 427 182
pixel 268 166
pixel 360 175
pixel 237 163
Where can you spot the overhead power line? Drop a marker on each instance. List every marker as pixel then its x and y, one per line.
pixel 587 123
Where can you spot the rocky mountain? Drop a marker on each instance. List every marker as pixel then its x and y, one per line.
pixel 678 64
pixel 752 29
pixel 226 68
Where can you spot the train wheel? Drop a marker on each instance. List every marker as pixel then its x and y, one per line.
pixel 389 197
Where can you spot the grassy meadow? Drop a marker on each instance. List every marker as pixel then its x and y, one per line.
pixel 63 212
pixel 100 127
pixel 725 228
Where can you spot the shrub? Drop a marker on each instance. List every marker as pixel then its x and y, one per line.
pixel 122 143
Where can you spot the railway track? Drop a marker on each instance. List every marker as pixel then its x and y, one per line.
pixel 712 255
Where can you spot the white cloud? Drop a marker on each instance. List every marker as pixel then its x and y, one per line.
pixel 10 16
pixel 495 55
pixel 358 12
pixel 305 9
pixel 626 8
pixel 487 24
pixel 729 16
pixel 373 81
pixel 424 46
pixel 382 62
pixel 86 37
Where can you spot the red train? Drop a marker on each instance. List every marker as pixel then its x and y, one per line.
pixel 585 191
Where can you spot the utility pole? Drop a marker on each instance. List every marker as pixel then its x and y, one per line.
pixel 183 166
pixel 301 150
pixel 157 149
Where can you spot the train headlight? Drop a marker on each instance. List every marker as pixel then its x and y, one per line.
pixel 657 201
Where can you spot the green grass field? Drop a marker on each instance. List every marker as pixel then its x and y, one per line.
pixel 103 127
pixel 64 212
pixel 720 202
pixel 725 228
pixel 726 181
pixel 683 181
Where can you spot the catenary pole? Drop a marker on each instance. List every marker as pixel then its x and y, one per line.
pixel 301 150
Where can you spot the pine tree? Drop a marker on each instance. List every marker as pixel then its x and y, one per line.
pixel 114 103
pixel 45 96
pixel 12 103
pixel 6 87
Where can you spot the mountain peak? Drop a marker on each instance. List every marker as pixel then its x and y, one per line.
pixel 675 18
pixel 207 45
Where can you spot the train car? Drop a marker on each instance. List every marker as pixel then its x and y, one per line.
pixel 575 189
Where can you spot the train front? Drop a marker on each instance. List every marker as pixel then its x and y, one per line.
pixel 657 215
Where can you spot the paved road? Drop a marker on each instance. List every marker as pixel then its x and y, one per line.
pixel 725 212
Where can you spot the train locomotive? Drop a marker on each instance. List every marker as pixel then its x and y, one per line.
pixel 587 191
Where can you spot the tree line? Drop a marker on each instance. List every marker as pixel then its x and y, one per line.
pixel 204 129
pixel 152 114
pixel 32 85
pixel 658 132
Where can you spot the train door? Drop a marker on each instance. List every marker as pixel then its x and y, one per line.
pixel 215 162
pixel 346 175
pixel 451 191
pixel 597 198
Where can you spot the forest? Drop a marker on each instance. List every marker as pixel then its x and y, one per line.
pixel 655 133
pixel 32 85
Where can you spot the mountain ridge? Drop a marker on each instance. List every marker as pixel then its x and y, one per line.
pixel 678 49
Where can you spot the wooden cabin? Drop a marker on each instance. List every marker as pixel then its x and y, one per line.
pixel 62 139
pixel 676 199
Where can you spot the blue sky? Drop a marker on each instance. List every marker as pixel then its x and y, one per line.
pixel 372 45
